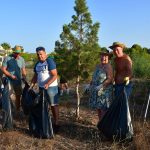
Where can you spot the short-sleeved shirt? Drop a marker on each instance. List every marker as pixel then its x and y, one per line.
pixel 14 66
pixel 43 72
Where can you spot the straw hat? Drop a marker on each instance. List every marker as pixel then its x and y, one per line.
pixel 115 44
pixel 17 49
pixel 107 53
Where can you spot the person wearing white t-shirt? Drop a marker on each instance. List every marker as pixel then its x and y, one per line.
pixel 45 74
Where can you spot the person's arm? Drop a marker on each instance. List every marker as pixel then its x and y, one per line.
pixel 7 73
pixel 128 67
pixel 24 72
pixel 53 74
pixel 128 71
pixel 23 69
pixel 34 80
pixel 109 76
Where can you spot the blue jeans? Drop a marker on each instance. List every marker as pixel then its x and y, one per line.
pixel 52 94
pixel 120 87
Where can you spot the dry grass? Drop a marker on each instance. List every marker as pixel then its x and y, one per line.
pixel 81 134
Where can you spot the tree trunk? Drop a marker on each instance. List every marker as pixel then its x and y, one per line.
pixel 78 98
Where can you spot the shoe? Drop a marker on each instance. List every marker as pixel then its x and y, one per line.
pixel 56 128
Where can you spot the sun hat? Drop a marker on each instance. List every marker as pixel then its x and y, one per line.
pixel 115 44
pixel 107 53
pixel 17 49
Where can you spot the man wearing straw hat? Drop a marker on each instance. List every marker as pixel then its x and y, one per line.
pixel 123 68
pixel 13 67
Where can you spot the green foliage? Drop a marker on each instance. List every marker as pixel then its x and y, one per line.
pixel 6 46
pixel 141 61
pixel 77 51
pixel 30 59
pixel 29 56
pixel 141 65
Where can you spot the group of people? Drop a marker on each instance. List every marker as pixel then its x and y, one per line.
pixel 45 74
pixel 105 77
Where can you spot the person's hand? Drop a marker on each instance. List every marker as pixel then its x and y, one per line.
pixel 13 77
pixel 46 86
pixel 31 86
pixel 126 80
pixel 100 92
pixel 24 78
pixel 99 87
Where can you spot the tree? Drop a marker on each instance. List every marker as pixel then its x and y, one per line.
pixel 6 46
pixel 78 47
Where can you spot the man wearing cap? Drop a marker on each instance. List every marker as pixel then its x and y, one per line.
pixel 13 67
pixel 123 68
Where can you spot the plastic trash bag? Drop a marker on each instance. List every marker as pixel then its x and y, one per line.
pixel 40 123
pixel 7 120
pixel 36 106
pixel 116 123
pixel 29 98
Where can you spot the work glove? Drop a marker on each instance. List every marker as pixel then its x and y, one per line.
pixel 126 80
pixel 100 91
pixel 31 86
pixel 99 87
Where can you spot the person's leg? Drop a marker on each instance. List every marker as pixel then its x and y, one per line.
pixel 101 113
pixel 53 99
pixel 18 92
pixel 61 89
pixel 67 88
pixel 128 89
pixel 55 112
pixel 17 102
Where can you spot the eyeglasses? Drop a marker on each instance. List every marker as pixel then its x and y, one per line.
pixel 40 49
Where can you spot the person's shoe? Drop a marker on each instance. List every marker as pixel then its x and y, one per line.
pixel 56 128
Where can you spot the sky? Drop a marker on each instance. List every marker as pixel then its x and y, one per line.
pixel 33 23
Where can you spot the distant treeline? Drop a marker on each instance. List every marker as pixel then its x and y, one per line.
pixel 66 62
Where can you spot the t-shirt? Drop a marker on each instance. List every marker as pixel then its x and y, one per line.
pixel 43 72
pixel 13 65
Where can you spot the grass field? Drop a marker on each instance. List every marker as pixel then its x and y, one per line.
pixel 82 134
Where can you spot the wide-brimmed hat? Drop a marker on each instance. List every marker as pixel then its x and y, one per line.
pixel 115 44
pixel 17 49
pixel 107 53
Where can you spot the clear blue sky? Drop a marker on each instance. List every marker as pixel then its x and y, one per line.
pixel 33 23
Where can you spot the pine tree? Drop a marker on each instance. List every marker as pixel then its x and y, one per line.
pixel 78 47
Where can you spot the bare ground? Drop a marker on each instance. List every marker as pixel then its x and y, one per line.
pixel 79 134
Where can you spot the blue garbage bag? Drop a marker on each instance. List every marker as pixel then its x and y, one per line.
pixel 116 123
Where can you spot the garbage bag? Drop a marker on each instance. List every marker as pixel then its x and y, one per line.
pixel 0 98
pixel 116 123
pixel 40 124
pixel 7 120
pixel 29 99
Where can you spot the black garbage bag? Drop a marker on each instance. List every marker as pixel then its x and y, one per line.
pixel 7 117
pixel 29 98
pixel 116 123
pixel 40 124
pixel 35 105
pixel 0 98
